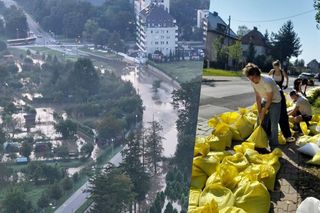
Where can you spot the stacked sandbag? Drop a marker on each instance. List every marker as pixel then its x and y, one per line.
pixel 236 182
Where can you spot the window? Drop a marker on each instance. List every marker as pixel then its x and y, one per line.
pixel 151 31
pixel 156 42
pixel 167 31
pixel 167 42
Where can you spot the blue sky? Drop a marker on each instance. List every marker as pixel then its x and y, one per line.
pixel 262 10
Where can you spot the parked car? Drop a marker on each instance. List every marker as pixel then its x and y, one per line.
pixel 317 76
pixel 308 76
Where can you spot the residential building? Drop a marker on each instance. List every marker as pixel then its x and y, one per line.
pixel 202 15
pixel 313 66
pixel 139 5
pixel 217 29
pixel 157 31
pixel 255 38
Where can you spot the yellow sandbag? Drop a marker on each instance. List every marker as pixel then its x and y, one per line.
pixel 207 164
pixel 215 143
pixel 259 138
pixel 252 197
pixel 213 179
pixel 232 209
pixel 303 140
pixel 219 155
pixel 269 159
pixel 304 128
pixel 230 118
pixel 220 194
pixel 314 128
pixel 228 175
pixel 281 138
pixel 211 207
pixel 237 160
pixel 315 118
pixel 223 132
pixel 194 195
pixel 212 122
pixel 196 171
pixel 198 182
pixel 242 148
pixel 244 126
pixel 251 117
pixel 315 160
pixel 201 147
pixel 314 139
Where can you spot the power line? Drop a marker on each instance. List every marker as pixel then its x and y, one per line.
pixel 277 19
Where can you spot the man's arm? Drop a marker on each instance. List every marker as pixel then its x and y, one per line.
pixel 258 101
pixel 294 111
pixel 267 106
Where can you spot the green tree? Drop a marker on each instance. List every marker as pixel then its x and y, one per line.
pixel 16 23
pixel 111 190
pixel 285 43
pixel 101 37
pixel 26 149
pixel 242 30
pixel 110 127
pixel 115 43
pixel 154 146
pixel 87 149
pixel 84 76
pixel 90 28
pixel 235 53
pixel 16 201
pixel 251 53
pixel 131 155
pixel 43 201
pixel 55 192
pixel 3 45
pixel 67 183
pixel 67 128
pixel 5 173
pixel 317 7
pixel 62 151
pixel 169 208
pixel 220 51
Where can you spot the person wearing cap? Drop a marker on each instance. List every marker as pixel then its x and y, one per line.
pixel 268 100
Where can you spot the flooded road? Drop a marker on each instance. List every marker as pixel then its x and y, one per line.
pixel 157 105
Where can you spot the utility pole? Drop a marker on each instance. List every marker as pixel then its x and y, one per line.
pixel 228 41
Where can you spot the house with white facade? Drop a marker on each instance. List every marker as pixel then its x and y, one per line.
pixel 258 41
pixel 157 31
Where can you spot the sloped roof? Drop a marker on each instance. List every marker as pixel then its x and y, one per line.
pixel 313 61
pixel 216 24
pixel 156 14
pixel 255 37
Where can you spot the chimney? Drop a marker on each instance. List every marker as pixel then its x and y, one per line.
pixel 215 13
pixel 255 28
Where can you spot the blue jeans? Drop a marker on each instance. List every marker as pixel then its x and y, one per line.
pixel 270 124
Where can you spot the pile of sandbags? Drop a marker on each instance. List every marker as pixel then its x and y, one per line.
pixel 226 182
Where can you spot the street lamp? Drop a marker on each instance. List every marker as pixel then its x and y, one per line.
pixel 112 146
pixel 17 29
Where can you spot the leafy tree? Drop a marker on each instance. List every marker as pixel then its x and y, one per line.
pixel 115 42
pixel 285 43
pixel 235 53
pixel 101 37
pixel 84 76
pixel 111 190
pixel 67 183
pixel 317 7
pixel 109 127
pixel 67 128
pixel 242 30
pixel 220 51
pixel 132 165
pixel 62 151
pixel 87 149
pixel 43 201
pixel 251 53
pixel 90 28
pixel 16 23
pixel 5 173
pixel 26 149
pixel 154 146
pixel 55 191
pixel 16 201
pixel 3 45
pixel 169 208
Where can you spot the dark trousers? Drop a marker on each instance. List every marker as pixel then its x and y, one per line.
pixel 283 121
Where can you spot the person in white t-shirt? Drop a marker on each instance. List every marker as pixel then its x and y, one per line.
pixel 302 110
pixel 268 100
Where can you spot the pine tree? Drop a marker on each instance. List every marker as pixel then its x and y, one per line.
pixel 132 165
pixel 154 146
pixel 111 190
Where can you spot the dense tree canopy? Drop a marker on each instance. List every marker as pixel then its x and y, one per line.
pixel 317 7
pixel 16 23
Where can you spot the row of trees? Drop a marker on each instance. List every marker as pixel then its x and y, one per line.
pixel 14 23
pixel 282 46
pixel 117 189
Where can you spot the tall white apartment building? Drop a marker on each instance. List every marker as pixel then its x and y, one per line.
pixel 156 30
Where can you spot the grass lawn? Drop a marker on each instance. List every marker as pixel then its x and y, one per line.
pixel 52 52
pixel 219 72
pixel 182 71
pixel 17 51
